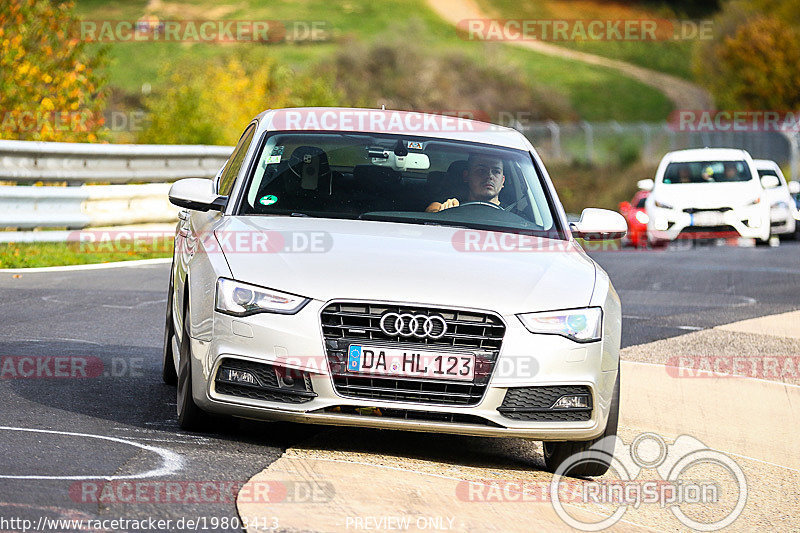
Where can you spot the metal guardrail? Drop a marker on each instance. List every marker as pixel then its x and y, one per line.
pixel 77 206
pixel 78 163
pixel 80 207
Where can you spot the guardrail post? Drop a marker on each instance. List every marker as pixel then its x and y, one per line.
pixel 587 128
pixel 794 154
pixel 555 138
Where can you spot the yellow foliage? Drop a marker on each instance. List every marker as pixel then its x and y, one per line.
pixel 210 102
pixel 45 75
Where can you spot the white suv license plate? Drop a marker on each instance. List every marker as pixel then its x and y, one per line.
pixel 409 363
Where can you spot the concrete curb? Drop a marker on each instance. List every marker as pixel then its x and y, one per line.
pixel 89 266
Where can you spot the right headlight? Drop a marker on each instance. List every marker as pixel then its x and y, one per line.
pixel 662 205
pixel 579 325
pixel 242 299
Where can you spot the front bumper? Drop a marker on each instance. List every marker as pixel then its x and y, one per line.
pixel 670 224
pixel 295 342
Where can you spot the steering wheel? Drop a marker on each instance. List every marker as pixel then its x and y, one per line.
pixel 488 204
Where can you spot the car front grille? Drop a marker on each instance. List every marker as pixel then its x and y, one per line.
pixel 535 404
pixel 708 230
pixel 473 332
pixel 273 384
pixel 693 210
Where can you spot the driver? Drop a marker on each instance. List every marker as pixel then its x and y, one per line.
pixel 484 178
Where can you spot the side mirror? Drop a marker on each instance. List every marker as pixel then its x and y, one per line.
pixel 599 225
pixel 794 187
pixel 646 185
pixel 770 182
pixel 196 194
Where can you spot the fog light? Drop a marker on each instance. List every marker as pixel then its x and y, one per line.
pixel 239 376
pixel 574 401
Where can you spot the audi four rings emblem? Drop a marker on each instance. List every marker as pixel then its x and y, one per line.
pixel 408 325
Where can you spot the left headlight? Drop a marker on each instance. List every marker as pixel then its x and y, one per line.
pixel 580 325
pixel 241 299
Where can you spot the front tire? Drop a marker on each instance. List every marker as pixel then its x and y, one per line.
pixel 168 373
pixel 190 416
pixel 595 463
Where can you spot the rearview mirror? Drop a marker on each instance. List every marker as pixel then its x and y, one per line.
pixel 599 225
pixel 769 181
pixel 794 187
pixel 401 162
pixel 197 194
pixel 646 184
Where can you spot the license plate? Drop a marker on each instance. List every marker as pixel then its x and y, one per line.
pixel 708 219
pixel 409 363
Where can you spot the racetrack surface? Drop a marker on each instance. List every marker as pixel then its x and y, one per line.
pixel 113 318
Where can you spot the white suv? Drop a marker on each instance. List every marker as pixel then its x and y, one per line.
pixel 392 270
pixel 783 211
pixel 706 193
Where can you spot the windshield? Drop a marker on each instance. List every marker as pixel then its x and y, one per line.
pixel 396 178
pixel 707 172
pixel 771 172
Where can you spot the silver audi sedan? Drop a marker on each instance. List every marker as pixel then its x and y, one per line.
pixel 393 270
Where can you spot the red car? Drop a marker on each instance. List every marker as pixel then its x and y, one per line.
pixel 633 212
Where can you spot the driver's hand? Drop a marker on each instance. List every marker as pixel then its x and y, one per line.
pixel 452 202
pixel 436 206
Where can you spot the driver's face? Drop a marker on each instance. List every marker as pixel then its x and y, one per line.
pixel 484 178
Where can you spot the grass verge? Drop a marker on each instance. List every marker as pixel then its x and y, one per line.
pixel 45 254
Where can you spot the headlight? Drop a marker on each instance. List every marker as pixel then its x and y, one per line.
pixel 663 205
pixel 754 202
pixel 241 299
pixel 642 217
pixel 580 325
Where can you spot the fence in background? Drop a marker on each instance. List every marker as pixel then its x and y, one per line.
pixel 612 142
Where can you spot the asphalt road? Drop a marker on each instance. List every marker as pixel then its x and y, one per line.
pixel 112 320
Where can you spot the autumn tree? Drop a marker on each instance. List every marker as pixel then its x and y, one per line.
pixel 753 62
pixel 210 101
pixel 51 87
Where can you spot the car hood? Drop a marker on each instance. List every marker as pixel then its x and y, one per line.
pixel 395 262
pixel 707 195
